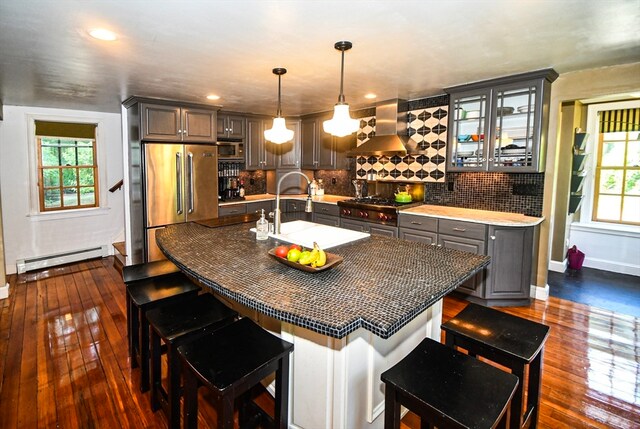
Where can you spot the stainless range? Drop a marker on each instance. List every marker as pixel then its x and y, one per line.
pixel 376 210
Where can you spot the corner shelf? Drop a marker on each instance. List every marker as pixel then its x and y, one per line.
pixel 578 171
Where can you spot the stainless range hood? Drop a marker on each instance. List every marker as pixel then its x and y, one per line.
pixel 391 132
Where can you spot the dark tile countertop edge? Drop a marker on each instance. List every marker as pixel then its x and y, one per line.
pixel 339 330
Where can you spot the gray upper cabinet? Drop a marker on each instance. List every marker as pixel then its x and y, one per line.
pixel 259 154
pixel 320 150
pixel 501 124
pixel 289 152
pixel 231 126
pixel 161 122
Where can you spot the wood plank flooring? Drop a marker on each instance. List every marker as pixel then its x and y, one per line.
pixel 64 363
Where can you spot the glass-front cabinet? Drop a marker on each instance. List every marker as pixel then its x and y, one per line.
pixel 500 125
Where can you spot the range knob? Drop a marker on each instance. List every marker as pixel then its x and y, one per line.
pixel 346 212
pixel 382 216
pixel 364 214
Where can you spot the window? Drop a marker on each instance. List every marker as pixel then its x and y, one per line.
pixel 617 175
pixel 67 166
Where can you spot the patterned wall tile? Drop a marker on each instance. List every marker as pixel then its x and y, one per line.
pixel 428 128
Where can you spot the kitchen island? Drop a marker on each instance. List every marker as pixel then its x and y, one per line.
pixel 348 323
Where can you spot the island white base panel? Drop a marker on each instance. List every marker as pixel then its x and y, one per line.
pixel 335 383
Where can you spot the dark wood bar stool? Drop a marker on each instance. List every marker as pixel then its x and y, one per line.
pixel 447 389
pixel 146 294
pixel 177 324
pixel 229 362
pixel 510 341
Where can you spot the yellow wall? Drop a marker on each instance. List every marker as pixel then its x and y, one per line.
pixel 586 84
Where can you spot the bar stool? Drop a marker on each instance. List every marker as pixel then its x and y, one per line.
pixel 229 362
pixel 146 294
pixel 177 324
pixel 509 340
pixel 447 389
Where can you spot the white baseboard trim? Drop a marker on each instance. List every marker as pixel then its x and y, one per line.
pixel 616 267
pixel 558 267
pixel 539 292
pixel 4 291
pixel 36 263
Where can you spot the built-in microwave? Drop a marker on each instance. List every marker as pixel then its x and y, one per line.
pixel 230 150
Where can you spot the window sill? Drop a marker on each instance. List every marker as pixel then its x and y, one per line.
pixel 69 214
pixel 608 228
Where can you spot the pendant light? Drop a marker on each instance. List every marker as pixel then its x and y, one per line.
pixel 341 124
pixel 278 133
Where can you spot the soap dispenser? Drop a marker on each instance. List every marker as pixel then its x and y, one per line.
pixel 262 227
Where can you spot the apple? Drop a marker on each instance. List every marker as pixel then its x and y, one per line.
pixel 295 246
pixel 281 251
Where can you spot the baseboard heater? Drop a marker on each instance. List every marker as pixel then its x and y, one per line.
pixel 30 264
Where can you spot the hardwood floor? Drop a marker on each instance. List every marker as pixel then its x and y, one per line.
pixel 64 363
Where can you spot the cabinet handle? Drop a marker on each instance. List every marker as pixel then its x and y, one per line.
pixel 178 183
pixel 439 245
pixel 324 210
pixel 490 159
pixel 493 237
pixel 415 223
pixel 433 244
pixel 460 229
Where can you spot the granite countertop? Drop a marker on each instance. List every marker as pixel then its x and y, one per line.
pixel 330 199
pixel 381 285
pixel 477 216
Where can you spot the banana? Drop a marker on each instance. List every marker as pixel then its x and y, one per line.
pixel 322 256
pixel 305 258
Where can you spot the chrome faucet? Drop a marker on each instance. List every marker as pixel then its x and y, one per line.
pixel 276 213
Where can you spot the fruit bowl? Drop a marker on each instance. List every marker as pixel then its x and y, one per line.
pixel 332 261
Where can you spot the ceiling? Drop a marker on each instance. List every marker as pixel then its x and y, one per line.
pixel 186 49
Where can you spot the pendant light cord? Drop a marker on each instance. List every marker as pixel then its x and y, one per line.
pixel 341 96
pixel 279 112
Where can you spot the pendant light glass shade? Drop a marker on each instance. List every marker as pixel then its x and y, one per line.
pixel 278 133
pixel 341 124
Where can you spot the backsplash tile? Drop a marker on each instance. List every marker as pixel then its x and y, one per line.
pixel 488 191
pixel 428 128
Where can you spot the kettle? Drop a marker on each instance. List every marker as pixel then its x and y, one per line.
pixel 403 196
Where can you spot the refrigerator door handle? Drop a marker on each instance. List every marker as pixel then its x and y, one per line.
pixel 179 182
pixel 190 179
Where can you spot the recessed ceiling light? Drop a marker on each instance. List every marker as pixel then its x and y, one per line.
pixel 370 96
pixel 213 97
pixel 103 34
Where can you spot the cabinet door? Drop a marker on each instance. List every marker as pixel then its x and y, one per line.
pixel 354 225
pixel 425 237
pixel 289 152
pixel 511 251
pixel 236 126
pixel 199 125
pixel 515 124
pixel 308 143
pixel 326 148
pixel 221 126
pixel 342 145
pixel 474 285
pixel 468 132
pixel 325 219
pixel 383 230
pixel 160 123
pixel 253 157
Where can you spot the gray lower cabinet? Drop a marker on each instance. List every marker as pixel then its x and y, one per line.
pixel 256 206
pixel 232 209
pixel 509 274
pixel 326 214
pixel 418 228
pixel 473 286
pixel 371 228
pixel 294 210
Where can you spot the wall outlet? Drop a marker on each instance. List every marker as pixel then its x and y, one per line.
pixel 450 186
pixel 252 181
pixel 333 181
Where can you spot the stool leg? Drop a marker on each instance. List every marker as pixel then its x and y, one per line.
pixel 190 417
pixel 282 393
pixel 132 328
pixel 225 412
pixel 516 402
pixel 533 395
pixel 144 351
pixel 156 373
pixel 173 388
pixel 391 408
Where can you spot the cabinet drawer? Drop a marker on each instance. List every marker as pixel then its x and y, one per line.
pixel 256 206
pixel 422 223
pixel 426 237
pixel 232 209
pixel 292 206
pixel 458 228
pixel 326 209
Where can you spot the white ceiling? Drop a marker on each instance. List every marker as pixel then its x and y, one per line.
pixel 185 49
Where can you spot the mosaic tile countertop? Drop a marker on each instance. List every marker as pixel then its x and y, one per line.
pixel 330 199
pixel 477 216
pixel 381 285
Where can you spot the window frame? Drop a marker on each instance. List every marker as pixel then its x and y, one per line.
pixel 61 187
pixel 34 211
pixel 593 129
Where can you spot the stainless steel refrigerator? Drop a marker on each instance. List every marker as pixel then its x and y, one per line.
pixel 180 185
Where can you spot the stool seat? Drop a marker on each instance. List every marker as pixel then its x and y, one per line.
pixel 151 292
pixel 229 362
pixel 176 324
pixel 132 273
pixel 447 388
pixel 511 341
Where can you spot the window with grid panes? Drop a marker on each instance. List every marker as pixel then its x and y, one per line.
pixel 617 190
pixel 67 166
